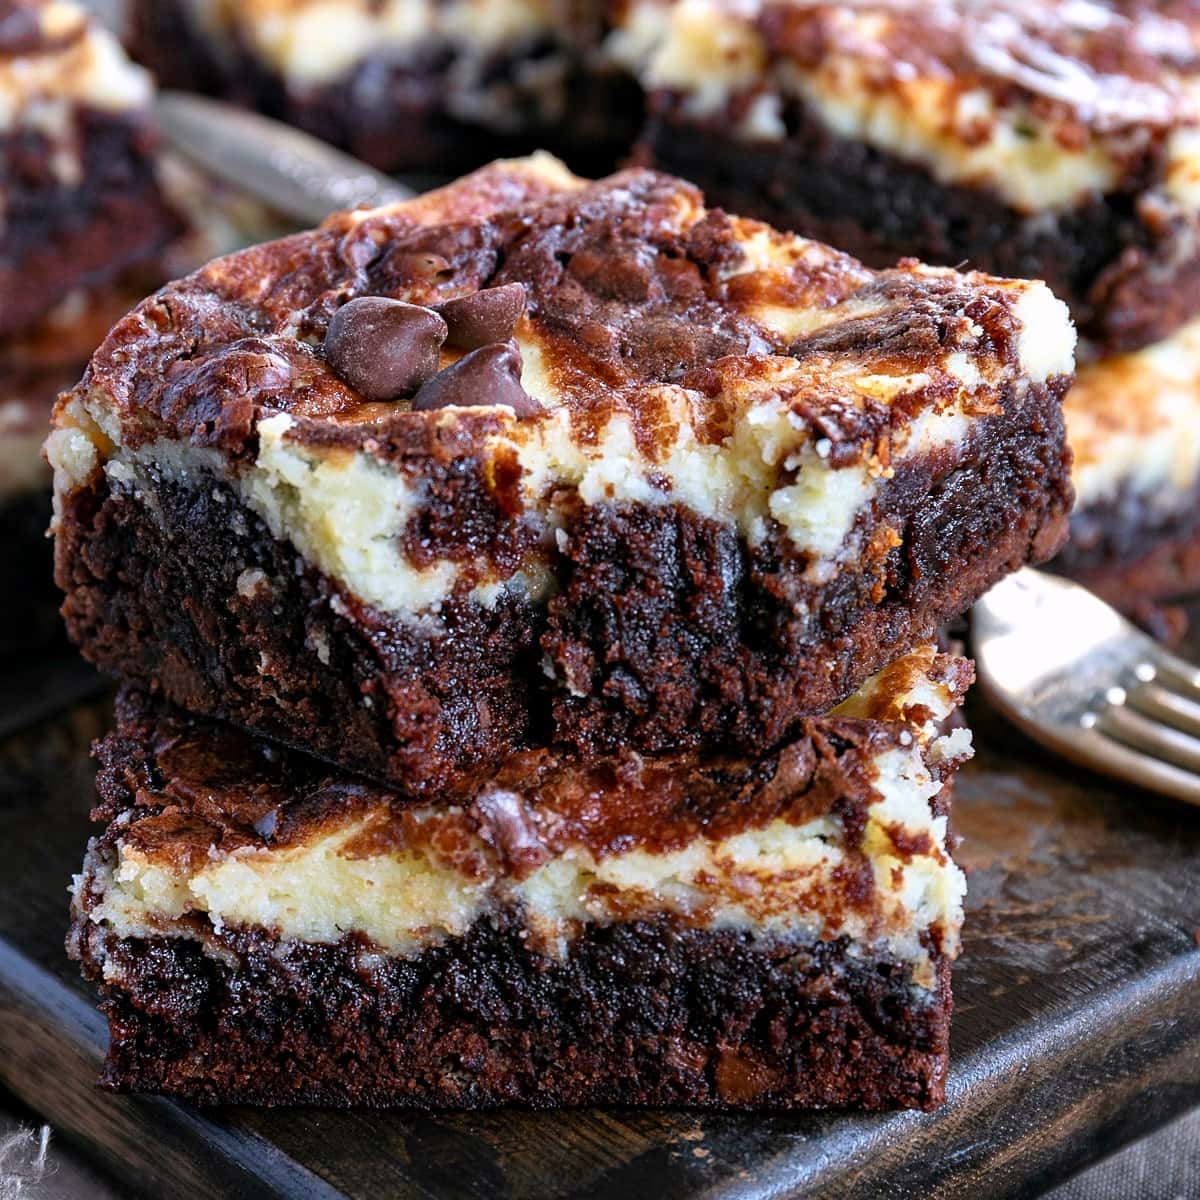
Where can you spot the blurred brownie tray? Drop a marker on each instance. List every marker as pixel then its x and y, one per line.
pixel 699 481
pixel 438 87
pixel 771 933
pixel 1055 141
pixel 78 184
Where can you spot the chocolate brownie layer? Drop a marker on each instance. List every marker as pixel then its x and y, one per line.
pixel 636 1014
pixel 686 479
pixel 1037 141
pixel 734 932
pixel 78 188
pixel 444 94
pixel 195 597
pixel 692 638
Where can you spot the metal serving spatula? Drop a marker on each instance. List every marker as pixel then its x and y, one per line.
pixel 1080 679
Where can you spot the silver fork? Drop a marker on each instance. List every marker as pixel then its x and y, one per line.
pixel 1080 679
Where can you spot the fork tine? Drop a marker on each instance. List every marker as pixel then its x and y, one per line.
pixel 1048 653
pixel 1168 707
pixel 1177 674
pixel 1101 753
pixel 1142 733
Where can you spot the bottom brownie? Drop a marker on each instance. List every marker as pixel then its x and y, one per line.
pixel 769 933
pixel 644 1013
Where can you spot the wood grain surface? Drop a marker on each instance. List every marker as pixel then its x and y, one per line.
pixel 1077 1026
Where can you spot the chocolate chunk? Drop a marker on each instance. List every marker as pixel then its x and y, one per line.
pixel 383 348
pixel 489 375
pixel 20 30
pixel 483 318
pixel 266 824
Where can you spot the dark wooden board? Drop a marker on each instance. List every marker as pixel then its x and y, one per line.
pixel 1077 1025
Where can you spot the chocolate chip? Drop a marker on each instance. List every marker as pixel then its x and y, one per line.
pixel 483 318
pixel 20 30
pixel 489 375
pixel 383 348
pixel 266 824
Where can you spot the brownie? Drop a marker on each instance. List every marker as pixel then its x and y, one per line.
pixel 715 477
pixel 78 183
pixel 35 366
pixel 736 933
pixel 49 357
pixel 443 91
pixel 1133 421
pixel 1057 141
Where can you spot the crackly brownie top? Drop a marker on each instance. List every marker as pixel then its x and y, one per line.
pixel 625 295
pixel 1111 62
pixel 52 57
pixel 1043 102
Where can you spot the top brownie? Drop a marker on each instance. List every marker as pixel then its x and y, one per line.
pixel 80 200
pixel 529 460
pixel 1058 140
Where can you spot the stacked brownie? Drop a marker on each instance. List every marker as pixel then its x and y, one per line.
pixel 1059 141
pixel 524 599
pixel 80 213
